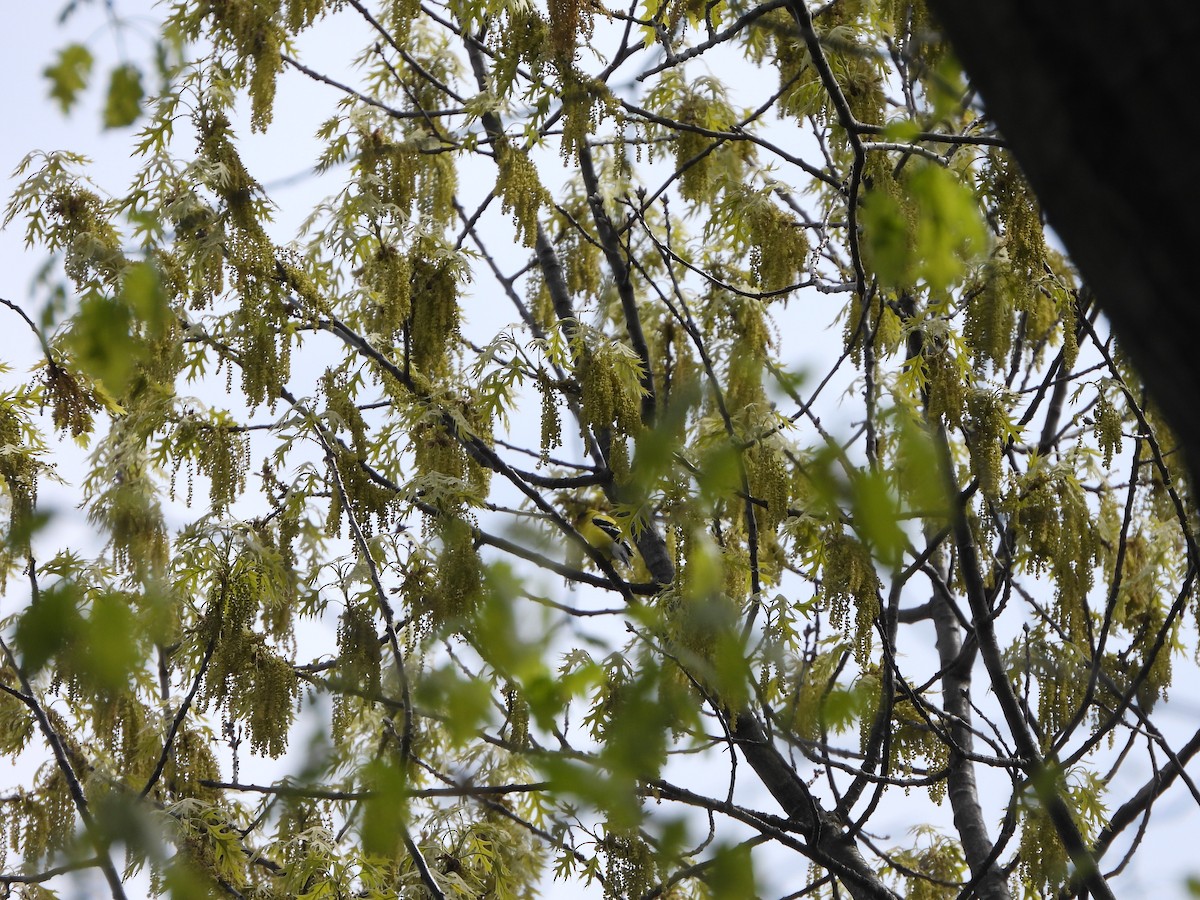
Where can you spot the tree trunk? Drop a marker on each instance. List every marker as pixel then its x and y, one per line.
pixel 831 846
pixel 1095 100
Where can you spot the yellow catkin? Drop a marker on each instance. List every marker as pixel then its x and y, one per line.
pixel 630 864
pixel 988 420
pixel 1018 211
pixel 435 310
pixel 850 590
pixel 388 274
pixel 569 21
pixel 551 430
pixel 521 191
pixel 609 388
pixel 990 320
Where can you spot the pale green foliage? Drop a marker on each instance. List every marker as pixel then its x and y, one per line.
pixel 850 589
pixel 1053 531
pixel 609 376
pixel 766 291
pixel 630 865
pixel 68 76
pixel 124 97
pixel 693 108
pixel 775 242
pixel 990 432
pixel 523 194
pixel 936 867
pixel 42 819
pixel 1044 861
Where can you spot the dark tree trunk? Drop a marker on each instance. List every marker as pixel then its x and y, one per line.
pixel 1097 100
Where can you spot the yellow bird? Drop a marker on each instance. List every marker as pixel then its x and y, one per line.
pixel 604 534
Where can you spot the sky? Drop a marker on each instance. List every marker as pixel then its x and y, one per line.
pixel 27 44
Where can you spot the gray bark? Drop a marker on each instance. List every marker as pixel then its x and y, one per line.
pixel 826 836
pixel 961 787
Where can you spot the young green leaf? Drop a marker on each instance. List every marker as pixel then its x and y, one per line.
pixel 68 75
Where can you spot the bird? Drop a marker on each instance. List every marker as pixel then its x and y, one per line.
pixel 604 534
